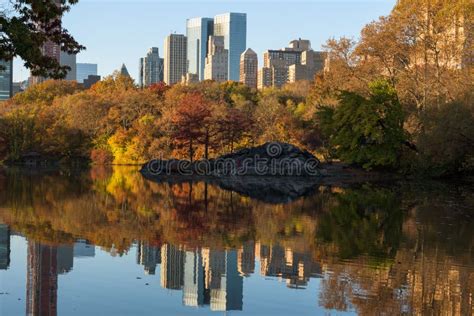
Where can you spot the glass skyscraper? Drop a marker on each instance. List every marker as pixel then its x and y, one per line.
pixel 84 70
pixel 6 79
pixel 69 60
pixel 198 31
pixel 151 68
pixel 233 27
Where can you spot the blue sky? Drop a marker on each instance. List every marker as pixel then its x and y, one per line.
pixel 121 31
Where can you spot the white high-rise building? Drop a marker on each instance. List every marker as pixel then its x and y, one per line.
pixel 217 60
pixel 175 58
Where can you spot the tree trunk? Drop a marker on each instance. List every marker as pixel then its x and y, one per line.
pixel 206 201
pixel 206 145
pixel 191 153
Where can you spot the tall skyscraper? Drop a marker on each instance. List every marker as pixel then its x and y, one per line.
pixel 249 68
pixel 151 68
pixel 233 27
pixel 217 60
pixel 175 58
pixel 84 70
pixel 198 31
pixel 6 79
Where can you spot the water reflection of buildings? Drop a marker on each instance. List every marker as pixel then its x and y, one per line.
pixel 4 247
pixel 295 268
pixel 42 279
pixel 45 263
pixel 83 249
pixel 246 258
pixel 206 276
pixel 222 279
pixel 172 267
pixel 148 256
pixel 194 293
pixel 215 277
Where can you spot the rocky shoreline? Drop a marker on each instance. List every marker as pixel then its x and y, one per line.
pixel 273 172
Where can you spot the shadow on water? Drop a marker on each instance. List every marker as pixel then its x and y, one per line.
pixel 405 248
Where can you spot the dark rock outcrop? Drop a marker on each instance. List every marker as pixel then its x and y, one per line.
pixel 270 159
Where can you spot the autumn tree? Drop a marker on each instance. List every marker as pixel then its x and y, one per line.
pixel 188 122
pixel 27 25
pixel 159 89
pixel 341 73
pixel 446 142
pixel 233 126
pixel 44 93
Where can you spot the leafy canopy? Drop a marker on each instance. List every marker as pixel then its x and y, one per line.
pixel 26 25
pixel 366 131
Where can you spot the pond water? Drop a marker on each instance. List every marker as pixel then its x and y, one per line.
pixel 109 242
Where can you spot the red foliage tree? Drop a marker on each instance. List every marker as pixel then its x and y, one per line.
pixel 233 126
pixel 159 88
pixel 188 122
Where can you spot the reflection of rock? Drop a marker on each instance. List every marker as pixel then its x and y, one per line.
pixel 269 189
pixel 263 188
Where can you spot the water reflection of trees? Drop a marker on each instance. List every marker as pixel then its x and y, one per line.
pixel 380 250
pixel 366 220
pixel 429 272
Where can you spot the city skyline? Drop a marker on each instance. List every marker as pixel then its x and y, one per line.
pixel 154 25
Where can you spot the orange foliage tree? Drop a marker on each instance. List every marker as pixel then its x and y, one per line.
pixel 189 122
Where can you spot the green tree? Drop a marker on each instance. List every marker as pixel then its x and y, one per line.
pixel 366 131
